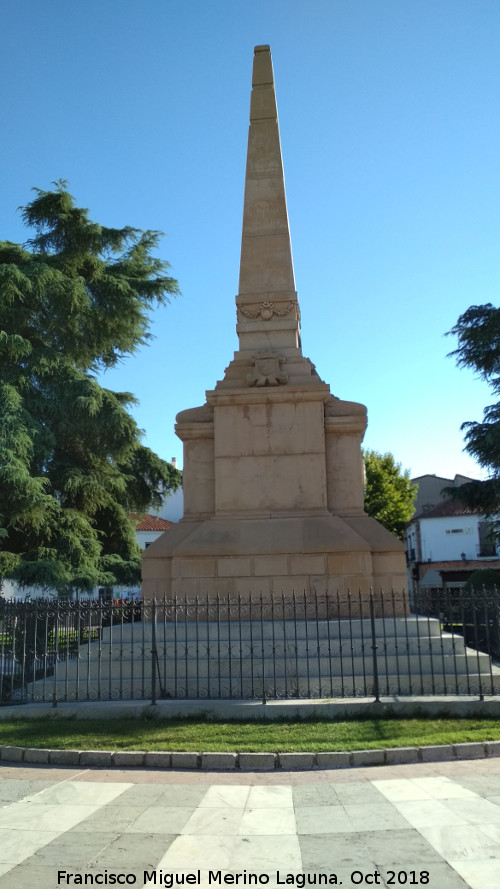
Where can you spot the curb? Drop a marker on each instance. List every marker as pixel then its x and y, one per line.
pixel 254 762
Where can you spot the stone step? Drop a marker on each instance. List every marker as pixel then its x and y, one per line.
pixel 289 630
pixel 439 648
pixel 224 666
pixel 314 687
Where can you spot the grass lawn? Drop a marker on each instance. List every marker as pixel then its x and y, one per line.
pixel 207 735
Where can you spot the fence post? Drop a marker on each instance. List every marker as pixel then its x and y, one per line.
pixel 154 653
pixel 56 654
pixel 475 606
pixel 263 660
pixel 374 650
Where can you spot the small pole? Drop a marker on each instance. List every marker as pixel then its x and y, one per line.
pixel 154 653
pixel 263 661
pixel 56 655
pixel 374 651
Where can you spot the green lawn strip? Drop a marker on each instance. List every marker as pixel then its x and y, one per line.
pixel 206 735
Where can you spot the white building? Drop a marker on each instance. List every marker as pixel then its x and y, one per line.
pixel 446 543
pixel 172 507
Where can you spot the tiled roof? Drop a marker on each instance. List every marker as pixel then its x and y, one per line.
pixel 150 522
pixel 448 508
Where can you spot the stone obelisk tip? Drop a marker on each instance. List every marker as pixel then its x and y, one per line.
pixel 268 315
pixel 262 67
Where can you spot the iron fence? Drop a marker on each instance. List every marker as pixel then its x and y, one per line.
pixel 251 647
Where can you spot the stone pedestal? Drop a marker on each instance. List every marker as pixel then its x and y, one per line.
pixel 273 472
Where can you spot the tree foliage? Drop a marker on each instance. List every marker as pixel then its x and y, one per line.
pixel 73 301
pixel 483 579
pixel 389 495
pixel 478 333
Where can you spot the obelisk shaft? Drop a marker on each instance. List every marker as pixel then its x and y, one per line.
pixel 268 315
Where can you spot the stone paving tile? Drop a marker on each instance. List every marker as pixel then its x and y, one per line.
pixel 161 819
pixel 265 854
pixel 186 851
pixel 402 789
pixel 72 793
pixel 213 822
pixel 441 875
pixel 493 831
pixel 270 822
pixel 16 845
pixel 483 785
pixel 429 813
pixel 327 852
pixel 359 793
pixel 442 787
pixel 225 795
pixel 479 874
pixel 262 797
pixel 323 819
pixel 474 811
pixel 13 790
pixel 120 818
pixel 24 817
pixel 74 847
pixel 29 876
pixel 468 843
pixel 138 794
pixel 322 795
pixel 382 816
pixel 134 850
pixel 181 795
pixel 397 847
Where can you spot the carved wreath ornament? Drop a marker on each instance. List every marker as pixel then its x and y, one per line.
pixel 267 370
pixel 266 310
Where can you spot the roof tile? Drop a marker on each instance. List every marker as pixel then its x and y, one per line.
pixel 150 522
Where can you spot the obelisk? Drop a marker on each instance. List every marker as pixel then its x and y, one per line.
pixel 273 471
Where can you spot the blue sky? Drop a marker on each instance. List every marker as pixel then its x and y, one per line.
pixel 390 135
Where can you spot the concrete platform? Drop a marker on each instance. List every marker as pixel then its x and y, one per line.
pixel 339 708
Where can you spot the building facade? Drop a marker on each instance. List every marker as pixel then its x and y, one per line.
pixel 445 540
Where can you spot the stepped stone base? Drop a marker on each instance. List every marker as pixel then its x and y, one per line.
pixel 275 556
pixel 273 659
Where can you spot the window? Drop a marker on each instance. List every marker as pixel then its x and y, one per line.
pixel 487 543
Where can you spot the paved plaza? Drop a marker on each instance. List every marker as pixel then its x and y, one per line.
pixel 435 825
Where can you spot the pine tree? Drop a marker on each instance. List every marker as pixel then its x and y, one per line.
pixel 478 332
pixel 73 301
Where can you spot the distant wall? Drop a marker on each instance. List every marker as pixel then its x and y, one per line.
pixel 173 506
pixel 446 538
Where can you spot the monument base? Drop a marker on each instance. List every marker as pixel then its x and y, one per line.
pixel 275 555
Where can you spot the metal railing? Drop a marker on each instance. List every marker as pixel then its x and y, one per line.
pixel 251 647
